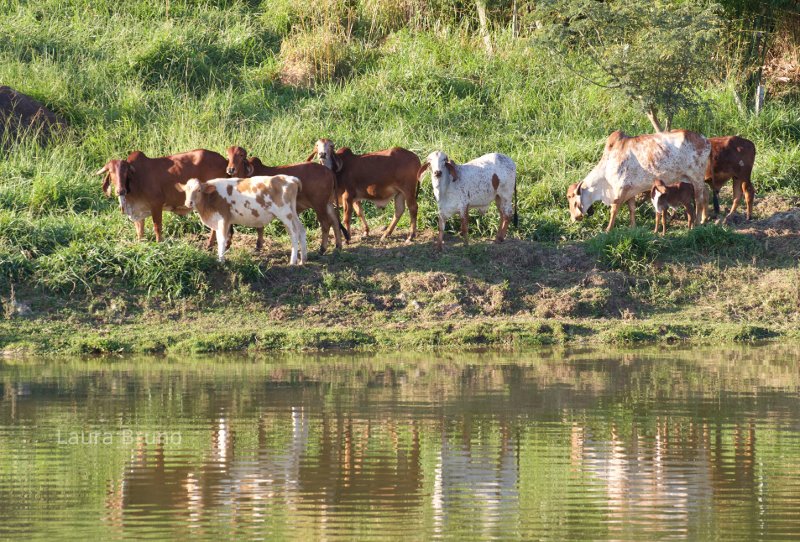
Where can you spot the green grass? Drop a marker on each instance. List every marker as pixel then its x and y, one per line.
pixel 133 75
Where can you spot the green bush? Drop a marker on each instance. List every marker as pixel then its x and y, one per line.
pixel 629 249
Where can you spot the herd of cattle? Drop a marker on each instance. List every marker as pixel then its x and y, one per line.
pixel 673 166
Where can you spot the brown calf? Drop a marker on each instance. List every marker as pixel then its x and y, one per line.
pixel 378 177
pixel 732 157
pixel 318 190
pixel 672 196
pixel 146 186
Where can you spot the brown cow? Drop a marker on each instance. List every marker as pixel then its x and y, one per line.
pixel 673 196
pixel 378 177
pixel 732 157
pixel 146 186
pixel 317 192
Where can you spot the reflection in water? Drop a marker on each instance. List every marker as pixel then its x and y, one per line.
pixel 554 445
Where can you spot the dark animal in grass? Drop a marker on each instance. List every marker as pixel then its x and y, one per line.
pixel 732 157
pixel 672 196
pixel 317 192
pixel 378 177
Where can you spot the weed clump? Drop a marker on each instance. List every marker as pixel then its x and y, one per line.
pixel 628 249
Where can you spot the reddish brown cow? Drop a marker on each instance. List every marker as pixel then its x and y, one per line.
pixel 732 157
pixel 317 192
pixel 146 186
pixel 378 177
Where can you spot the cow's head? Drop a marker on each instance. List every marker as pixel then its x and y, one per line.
pixel 238 164
pixel 443 172
pixel 194 189
pixel 119 174
pixel 325 152
pixel 577 210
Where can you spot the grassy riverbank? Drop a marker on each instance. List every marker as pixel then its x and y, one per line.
pixel 144 75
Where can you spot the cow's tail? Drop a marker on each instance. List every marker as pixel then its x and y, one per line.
pixel 516 216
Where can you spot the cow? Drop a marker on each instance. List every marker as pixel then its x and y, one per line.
pixel 629 166
pixel 253 202
pixel 377 177
pixel 318 189
pixel 145 186
pixel 475 184
pixel 673 196
pixel 732 157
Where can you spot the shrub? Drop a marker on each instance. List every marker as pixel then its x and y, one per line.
pixel 629 249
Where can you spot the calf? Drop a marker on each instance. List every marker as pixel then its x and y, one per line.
pixel 476 184
pixel 318 190
pixel 251 202
pixel 673 196
pixel 378 177
pixel 629 166
pixel 732 157
pixel 146 186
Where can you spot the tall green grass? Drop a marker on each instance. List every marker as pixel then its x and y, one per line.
pixel 165 77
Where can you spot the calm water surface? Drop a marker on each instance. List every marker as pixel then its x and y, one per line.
pixel 642 445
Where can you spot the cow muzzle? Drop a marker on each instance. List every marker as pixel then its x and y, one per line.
pixel 438 174
pixel 230 171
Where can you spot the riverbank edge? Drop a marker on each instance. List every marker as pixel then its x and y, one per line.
pixel 43 337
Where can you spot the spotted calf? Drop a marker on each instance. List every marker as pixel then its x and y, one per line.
pixel 252 202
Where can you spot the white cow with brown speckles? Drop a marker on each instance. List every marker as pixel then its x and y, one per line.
pixel 630 165
pixel 252 202
pixel 473 185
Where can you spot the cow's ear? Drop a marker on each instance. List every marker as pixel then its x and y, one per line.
pixel 337 163
pixel 422 169
pixel 451 167
pixel 106 182
pixel 209 188
pixel 250 169
pixel 180 187
pixel 131 168
pixel 312 155
pixel 101 170
pixel 578 189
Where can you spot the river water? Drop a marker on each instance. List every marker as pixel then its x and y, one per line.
pixel 553 444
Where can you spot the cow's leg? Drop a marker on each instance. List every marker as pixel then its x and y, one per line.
pixel 690 212
pixel 260 240
pixel 412 213
pixel 222 239
pixel 465 225
pixel 333 217
pixel 347 213
pixel 657 215
pixel 614 211
pixel 632 211
pixel 440 243
pixel 156 212
pixel 505 217
pixel 360 212
pixel 749 196
pixel 230 238
pixel 294 235
pixel 399 208
pixel 700 202
pixel 212 237
pixel 301 239
pixel 139 224
pixel 664 218
pixel 737 197
pixel 715 201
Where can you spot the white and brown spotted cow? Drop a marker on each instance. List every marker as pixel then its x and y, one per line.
pixel 630 165
pixel 473 185
pixel 252 202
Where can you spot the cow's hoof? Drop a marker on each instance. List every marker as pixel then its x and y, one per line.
pixel 322 250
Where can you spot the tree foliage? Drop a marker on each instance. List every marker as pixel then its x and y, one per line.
pixel 655 52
